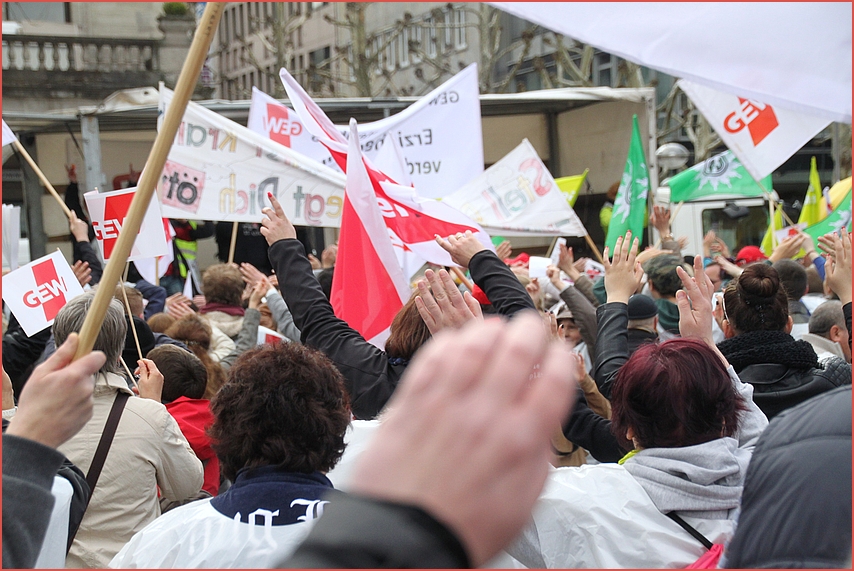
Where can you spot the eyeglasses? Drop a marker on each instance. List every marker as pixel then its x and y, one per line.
pixel 723 306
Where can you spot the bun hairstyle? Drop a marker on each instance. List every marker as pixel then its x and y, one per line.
pixel 755 301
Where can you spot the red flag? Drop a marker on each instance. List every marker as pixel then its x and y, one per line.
pixel 376 288
pixel 412 221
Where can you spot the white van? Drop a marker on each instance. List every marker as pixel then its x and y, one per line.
pixel 737 220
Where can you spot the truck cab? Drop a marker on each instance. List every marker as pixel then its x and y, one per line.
pixel 737 220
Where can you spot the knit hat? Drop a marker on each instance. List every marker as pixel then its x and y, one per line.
pixel 642 307
pixel 146 342
pixel 748 255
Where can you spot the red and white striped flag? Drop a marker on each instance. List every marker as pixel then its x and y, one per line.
pixel 376 288
pixel 412 222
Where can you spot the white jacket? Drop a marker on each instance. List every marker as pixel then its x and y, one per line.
pixel 148 451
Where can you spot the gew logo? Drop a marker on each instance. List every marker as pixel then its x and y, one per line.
pixel 49 292
pixel 279 126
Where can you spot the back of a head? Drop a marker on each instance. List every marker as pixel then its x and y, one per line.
pixel 184 375
pixel 223 283
pixel 137 307
pixel 612 191
pixel 662 273
pixel 111 334
pixel 283 405
pixel 793 276
pixel 408 332
pixel 195 332
pixel 674 394
pixel 825 316
pixel 756 300
pixel 325 279
pixel 160 322
pixel 814 282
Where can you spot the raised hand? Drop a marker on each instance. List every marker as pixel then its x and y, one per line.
pixel 82 272
pixel 150 380
pixel 623 273
pixel 462 247
pixel 444 307
pixel 838 267
pixel 504 250
pixel 275 226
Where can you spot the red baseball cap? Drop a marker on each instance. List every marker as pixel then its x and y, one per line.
pixel 748 255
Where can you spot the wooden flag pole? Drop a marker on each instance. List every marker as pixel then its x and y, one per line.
pixel 233 243
pixel 41 176
pixel 462 277
pixel 130 318
pixel 157 271
pixel 594 248
pixel 150 174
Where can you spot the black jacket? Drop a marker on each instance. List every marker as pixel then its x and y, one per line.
pixel 84 252
pixel 369 375
pixel 21 353
pixel 796 505
pixel 784 372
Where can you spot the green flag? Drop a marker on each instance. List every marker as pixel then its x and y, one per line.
pixel 835 221
pixel 630 204
pixel 721 174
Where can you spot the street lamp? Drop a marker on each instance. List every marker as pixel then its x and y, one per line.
pixel 672 156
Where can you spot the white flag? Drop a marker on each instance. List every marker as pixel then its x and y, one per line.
pixel 11 234
pixel 109 210
pixel 8 135
pixel 148 267
pixel 761 136
pixel 36 292
pixel 517 196
pixel 440 135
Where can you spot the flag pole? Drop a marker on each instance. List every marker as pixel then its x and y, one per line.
pixel 233 242
pixel 150 174
pixel 594 248
pixel 41 176
pixel 157 271
pixel 462 277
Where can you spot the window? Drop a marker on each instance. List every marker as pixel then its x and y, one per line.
pixel 417 33
pixel 449 30
pixel 604 70
pixel 239 22
pixel 748 230
pixel 460 31
pixel 226 27
pixel 59 12
pixel 431 38
pixel 392 45
pixel 404 47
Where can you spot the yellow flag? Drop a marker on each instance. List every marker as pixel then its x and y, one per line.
pixel 815 205
pixel 570 186
pixel 767 245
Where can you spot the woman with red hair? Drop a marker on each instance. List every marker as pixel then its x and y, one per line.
pixel 691 424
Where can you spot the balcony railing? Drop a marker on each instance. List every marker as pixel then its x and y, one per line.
pixel 54 53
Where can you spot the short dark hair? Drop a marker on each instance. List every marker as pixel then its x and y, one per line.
pixel 184 374
pixel 195 332
pixel 408 332
pixel 674 394
pixel 135 299
pixel 755 300
pixel 325 279
pixel 283 405
pixel 793 276
pixel 223 283
pixel 160 322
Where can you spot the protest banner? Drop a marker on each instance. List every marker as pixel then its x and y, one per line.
pixel 368 286
pixel 762 136
pixel 11 234
pixel 630 204
pixel 440 135
pixel 187 80
pixel 412 221
pixel 220 170
pixel 267 336
pixel 109 210
pixel 517 196
pixel 36 292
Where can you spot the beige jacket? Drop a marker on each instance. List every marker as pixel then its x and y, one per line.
pixel 148 452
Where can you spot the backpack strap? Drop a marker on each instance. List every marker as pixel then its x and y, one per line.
pixel 105 442
pixel 687 527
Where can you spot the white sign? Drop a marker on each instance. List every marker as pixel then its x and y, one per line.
pixel 780 235
pixel 537 267
pixel 219 170
pixel 762 136
pixel 109 210
pixel 36 292
pixel 440 135
pixel 517 196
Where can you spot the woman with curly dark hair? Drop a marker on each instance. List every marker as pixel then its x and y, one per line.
pixel 754 316
pixel 279 427
pixel 195 332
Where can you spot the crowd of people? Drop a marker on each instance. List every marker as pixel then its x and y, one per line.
pixel 675 410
